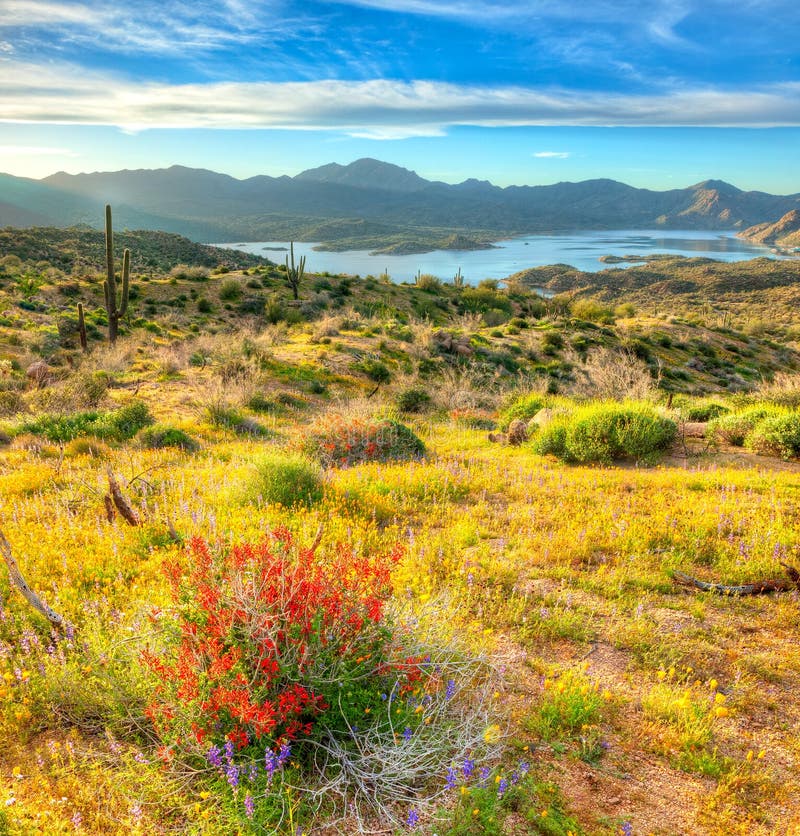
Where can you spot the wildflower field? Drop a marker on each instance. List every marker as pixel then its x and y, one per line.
pixel 344 609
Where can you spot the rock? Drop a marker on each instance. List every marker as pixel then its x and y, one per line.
pixel 542 417
pixel 39 373
pixel 498 438
pixel 517 432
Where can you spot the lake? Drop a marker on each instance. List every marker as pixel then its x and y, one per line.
pixel 580 249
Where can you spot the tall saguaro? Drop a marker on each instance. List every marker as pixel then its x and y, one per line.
pixel 115 310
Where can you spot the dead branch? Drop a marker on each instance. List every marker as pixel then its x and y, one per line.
pixel 109 504
pixel 758 588
pixel 120 501
pixel 30 596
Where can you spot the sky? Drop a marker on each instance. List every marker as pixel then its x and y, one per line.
pixel 655 93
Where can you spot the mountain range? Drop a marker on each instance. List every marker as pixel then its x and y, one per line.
pixel 371 203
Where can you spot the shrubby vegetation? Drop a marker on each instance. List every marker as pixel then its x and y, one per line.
pixel 603 432
pixel 341 441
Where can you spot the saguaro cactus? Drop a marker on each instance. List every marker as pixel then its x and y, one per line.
pixel 294 274
pixel 115 310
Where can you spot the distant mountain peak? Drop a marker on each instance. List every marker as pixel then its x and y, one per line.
pixel 367 173
pixel 715 185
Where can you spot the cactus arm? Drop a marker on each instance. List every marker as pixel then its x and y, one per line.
pixel 126 274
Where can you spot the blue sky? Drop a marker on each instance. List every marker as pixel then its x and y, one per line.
pixel 654 93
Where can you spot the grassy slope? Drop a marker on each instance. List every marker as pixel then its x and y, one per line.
pixel 558 569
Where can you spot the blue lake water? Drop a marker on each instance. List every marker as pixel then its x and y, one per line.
pixel 580 249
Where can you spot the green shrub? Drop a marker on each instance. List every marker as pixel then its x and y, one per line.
pixel 702 410
pixel 734 427
pixel 164 435
pixel 229 418
pixel 428 282
pixel 551 439
pixel 412 400
pixel 11 402
pixel 286 479
pixel 523 408
pixel 375 370
pixel 230 290
pixel 778 435
pixel 603 432
pixel 119 425
pixel 124 423
pixel 592 311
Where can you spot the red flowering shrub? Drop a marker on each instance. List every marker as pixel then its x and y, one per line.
pixel 264 636
pixel 337 441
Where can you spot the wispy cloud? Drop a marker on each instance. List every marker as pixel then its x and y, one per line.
pixel 376 108
pixel 558 155
pixel 146 26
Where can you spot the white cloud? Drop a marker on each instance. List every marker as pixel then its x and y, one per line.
pixel 377 108
pixel 558 155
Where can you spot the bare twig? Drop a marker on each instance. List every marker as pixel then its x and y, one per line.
pixel 30 596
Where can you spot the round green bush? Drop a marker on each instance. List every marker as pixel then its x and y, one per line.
pixel 412 400
pixel 778 435
pixel 164 435
pixel 286 479
pixel 604 432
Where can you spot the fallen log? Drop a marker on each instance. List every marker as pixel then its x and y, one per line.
pixel 757 588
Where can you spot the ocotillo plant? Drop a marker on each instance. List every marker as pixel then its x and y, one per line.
pixel 82 327
pixel 294 275
pixel 115 311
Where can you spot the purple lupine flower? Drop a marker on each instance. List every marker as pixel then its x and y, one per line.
pixel 271 764
pixel 502 787
pixel 77 819
pixel 140 758
pixel 249 805
pixel 452 780
pixel 229 750
pixel 283 754
pixel 626 829
pixel 484 773
pixel 252 773
pixel 450 691
pixel 214 756
pixel 468 768
pixel 524 768
pixel 232 774
pixel 136 811
pixel 413 819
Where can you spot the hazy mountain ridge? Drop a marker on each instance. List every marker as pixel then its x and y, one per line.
pixel 209 206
